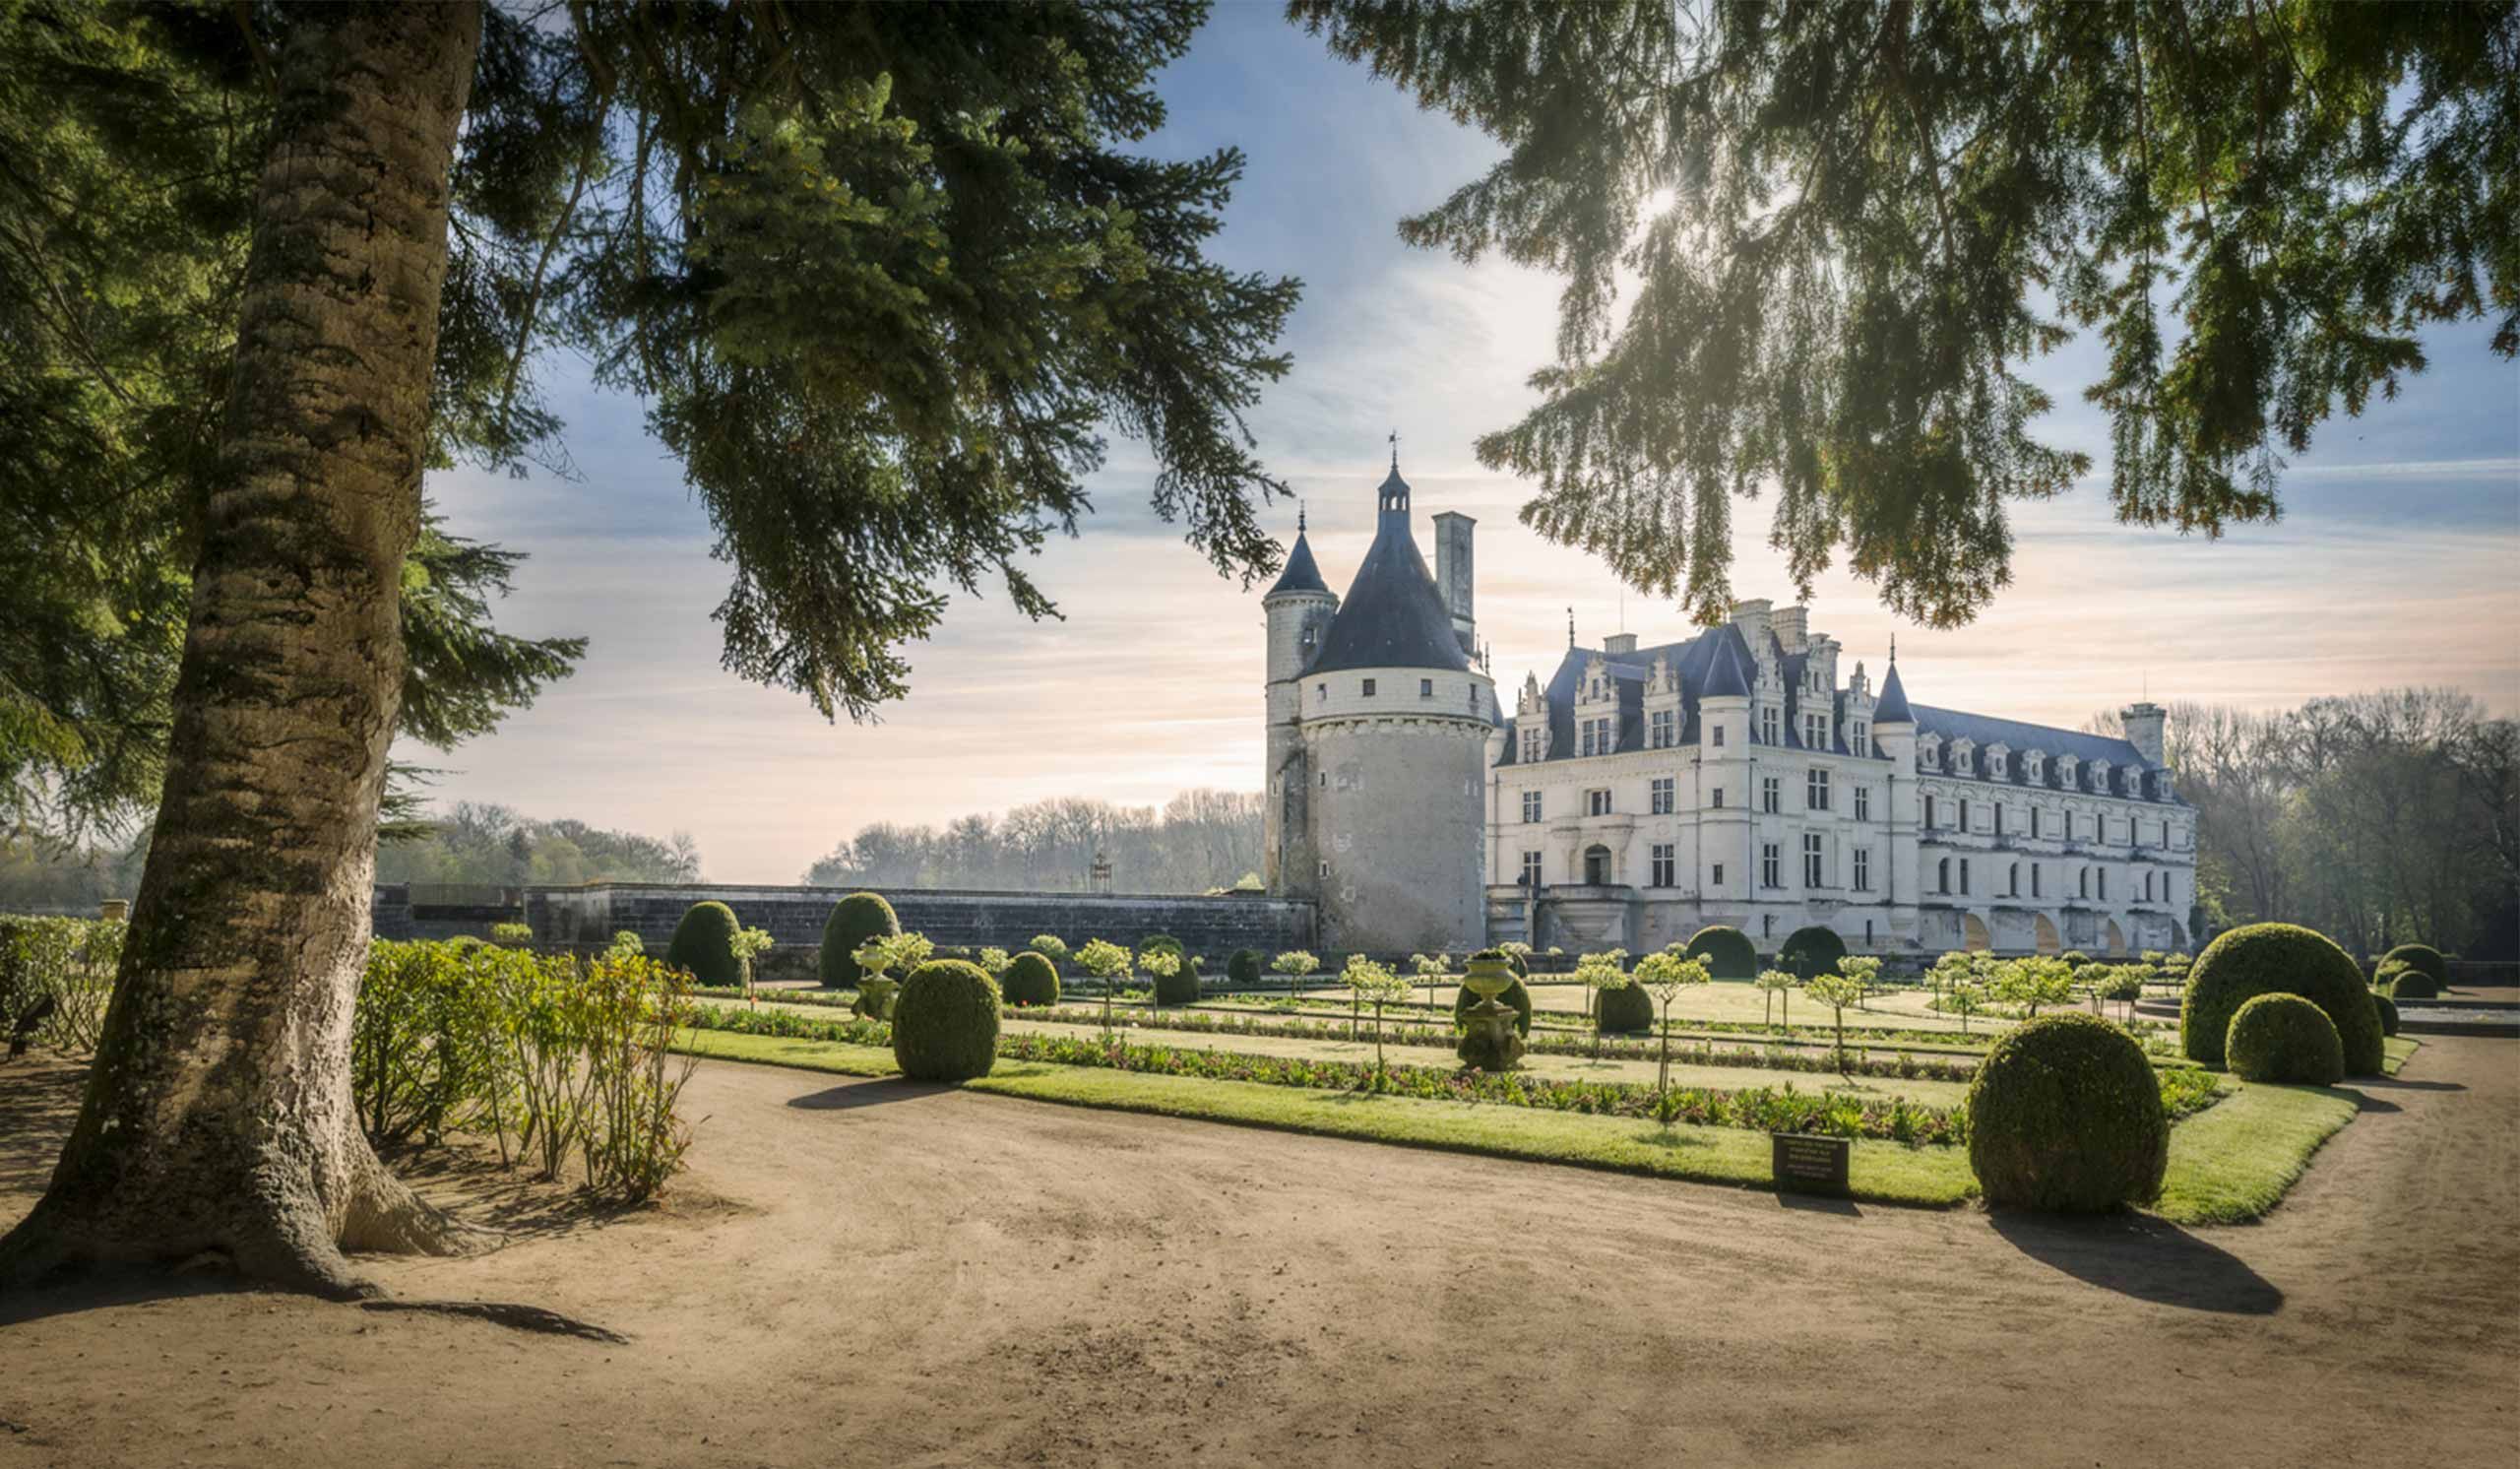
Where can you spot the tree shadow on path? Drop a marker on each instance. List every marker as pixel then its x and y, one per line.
pixel 2144 1258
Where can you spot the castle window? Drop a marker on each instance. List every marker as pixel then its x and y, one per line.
pixel 1597 866
pixel 1530 870
pixel 1716 876
pixel 1663 873
pixel 1771 795
pixel 1531 805
pixel 1530 746
pixel 1815 790
pixel 1766 725
pixel 1321 690
pixel 1810 859
pixel 1942 875
pixel 1718 736
pixel 2082 883
pixel 1474 699
pixel 1663 732
pixel 1369 688
pixel 1771 866
pixel 1863 874
pixel 1325 780
pixel 2101 884
pixel 1964 813
pixel 1661 799
pixel 2034 822
pixel 1815 731
pixel 1999 818
pixel 1717 802
pixel 1427 688
pixel 1863 802
pixel 2034 880
pixel 1964 876
pixel 1928 812
pixel 1325 867
pixel 1857 741
pixel 1596 802
pixel 2012 881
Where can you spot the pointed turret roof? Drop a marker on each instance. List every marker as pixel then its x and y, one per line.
pixel 1725 678
pixel 1300 574
pixel 1392 616
pixel 1892 707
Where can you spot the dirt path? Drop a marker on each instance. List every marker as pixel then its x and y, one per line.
pixel 870 1272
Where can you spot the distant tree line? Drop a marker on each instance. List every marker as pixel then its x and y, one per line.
pixel 481 843
pixel 1200 840
pixel 2377 818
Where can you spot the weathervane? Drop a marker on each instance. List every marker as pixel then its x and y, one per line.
pixel 1298 517
pixel 1395 451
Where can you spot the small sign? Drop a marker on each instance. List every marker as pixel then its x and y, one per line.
pixel 1808 1163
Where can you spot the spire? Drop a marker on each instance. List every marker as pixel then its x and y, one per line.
pixel 1892 707
pixel 1395 451
pixel 1300 574
pixel 1570 627
pixel 1298 517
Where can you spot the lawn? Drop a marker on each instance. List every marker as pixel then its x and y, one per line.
pixel 2232 1162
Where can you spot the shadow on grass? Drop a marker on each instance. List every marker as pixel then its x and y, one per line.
pixel 2141 1256
pixel 872 1092
pixel 1669 1139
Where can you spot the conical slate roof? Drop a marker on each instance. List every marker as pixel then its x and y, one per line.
pixel 1892 709
pixel 1725 678
pixel 1300 574
pixel 1392 616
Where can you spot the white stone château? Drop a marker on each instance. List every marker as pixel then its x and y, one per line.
pixel 1737 777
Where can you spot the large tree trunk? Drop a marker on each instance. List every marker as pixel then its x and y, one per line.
pixel 219 1121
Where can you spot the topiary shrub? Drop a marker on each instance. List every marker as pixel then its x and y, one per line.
pixel 853 920
pixel 2278 1037
pixel 704 943
pixel 1515 995
pixel 1727 950
pixel 2271 959
pixel 2064 1115
pixel 1030 978
pixel 2405 980
pixel 1626 1011
pixel 2425 958
pixel 1522 966
pixel 1164 941
pixel 1808 954
pixel 945 1022
pixel 1245 967
pixel 2388 1010
pixel 1179 988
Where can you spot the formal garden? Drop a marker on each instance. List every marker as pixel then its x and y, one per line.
pixel 2048 1082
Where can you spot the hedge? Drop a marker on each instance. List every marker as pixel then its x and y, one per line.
pixel 1179 988
pixel 2388 1014
pixel 1245 967
pixel 1515 994
pixel 2278 1037
pixel 1626 1011
pixel 2406 981
pixel 1030 978
pixel 853 920
pixel 2066 1115
pixel 1727 950
pixel 945 1022
pixel 2277 958
pixel 2424 957
pixel 703 943
pixel 1811 953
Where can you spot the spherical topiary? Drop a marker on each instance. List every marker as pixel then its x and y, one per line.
pixel 704 943
pixel 1515 995
pixel 1808 954
pixel 2406 981
pixel 1030 978
pixel 1162 941
pixel 1727 950
pixel 945 1022
pixel 2277 958
pixel 1179 988
pixel 1245 967
pixel 2388 1014
pixel 2424 957
pixel 1626 1010
pixel 853 920
pixel 2064 1115
pixel 2278 1037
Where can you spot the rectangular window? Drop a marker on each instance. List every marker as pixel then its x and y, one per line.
pixel 2102 878
pixel 2034 880
pixel 1718 736
pixel 1810 859
pixel 1856 742
pixel 1717 802
pixel 1815 731
pixel 1664 726
pixel 1531 805
pixel 1999 818
pixel 1426 688
pixel 1719 875
pixel 1929 814
pixel 1321 690
pixel 1771 795
pixel 1369 688
pixel 1662 793
pixel 1863 802
pixel 1766 725
pixel 1325 867
pixel 1771 866
pixel 2034 822
pixel 1964 813
pixel 1815 790
pixel 1662 874
pixel 1596 802
pixel 1964 876
pixel 1530 870
pixel 1863 870
pixel 1584 739
pixel 1530 746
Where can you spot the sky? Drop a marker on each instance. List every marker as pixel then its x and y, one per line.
pixel 2393 564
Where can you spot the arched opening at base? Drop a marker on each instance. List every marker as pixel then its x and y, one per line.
pixel 2043 932
pixel 1973 933
pixel 2116 940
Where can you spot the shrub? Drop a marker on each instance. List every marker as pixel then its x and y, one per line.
pixel 945 1022
pixel 1515 995
pixel 2423 957
pixel 1245 967
pixel 2388 1010
pixel 1811 953
pixel 2065 1114
pixel 2405 980
pixel 1179 988
pixel 1166 943
pixel 1727 952
pixel 64 968
pixel 704 943
pixel 853 920
pixel 1030 980
pixel 2278 1037
pixel 1626 1010
pixel 2277 958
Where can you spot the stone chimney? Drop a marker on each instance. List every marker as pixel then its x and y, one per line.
pixel 1619 644
pixel 1751 616
pixel 2144 724
pixel 1793 627
pixel 1453 574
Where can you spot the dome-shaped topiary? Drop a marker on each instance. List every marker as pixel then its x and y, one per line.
pixel 1030 978
pixel 1164 941
pixel 1515 995
pixel 2277 958
pixel 1179 988
pixel 2405 980
pixel 1626 1010
pixel 1808 954
pixel 853 920
pixel 1245 967
pixel 2424 957
pixel 945 1022
pixel 1727 950
pixel 2388 1010
pixel 2064 1115
pixel 704 943
pixel 2279 1036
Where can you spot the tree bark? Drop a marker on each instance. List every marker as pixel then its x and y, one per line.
pixel 218 1120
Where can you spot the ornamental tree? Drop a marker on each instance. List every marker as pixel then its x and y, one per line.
pixel 1374 984
pixel 1107 962
pixel 1775 986
pixel 1595 971
pixel 1665 974
pixel 1294 964
pixel 1837 992
pixel 749 944
pixel 1049 946
pixel 1432 970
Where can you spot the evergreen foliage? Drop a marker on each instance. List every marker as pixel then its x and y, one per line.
pixel 853 920
pixel 2065 1114
pixel 2425 960
pixel 2388 1010
pixel 1180 987
pixel 1811 952
pixel 1245 967
pixel 1726 951
pixel 703 943
pixel 2277 958
pixel 2279 1036
pixel 1515 995
pixel 945 1022
pixel 1625 1010
pixel 1030 978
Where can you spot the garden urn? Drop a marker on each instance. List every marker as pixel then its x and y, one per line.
pixel 875 997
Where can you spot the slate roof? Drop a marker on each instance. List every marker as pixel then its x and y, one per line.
pixel 1892 707
pixel 1985 730
pixel 1715 663
pixel 1300 574
pixel 1392 616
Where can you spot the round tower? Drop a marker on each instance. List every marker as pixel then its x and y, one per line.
pixel 1298 611
pixel 1394 721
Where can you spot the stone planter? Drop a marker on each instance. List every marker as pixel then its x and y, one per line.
pixel 1489 1040
pixel 1488 977
pixel 874 998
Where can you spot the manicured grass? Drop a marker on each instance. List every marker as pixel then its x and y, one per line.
pixel 2395 1049
pixel 1880 1171
pixel 2232 1162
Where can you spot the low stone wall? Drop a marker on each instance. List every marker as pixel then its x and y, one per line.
pixel 795 916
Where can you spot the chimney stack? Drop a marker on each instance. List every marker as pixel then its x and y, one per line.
pixel 2144 724
pixel 1453 575
pixel 1793 627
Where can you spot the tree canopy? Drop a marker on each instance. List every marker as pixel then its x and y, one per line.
pixel 1810 248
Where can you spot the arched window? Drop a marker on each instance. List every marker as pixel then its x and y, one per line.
pixel 1942 875
pixel 1597 866
pixel 2082 882
pixel 2012 881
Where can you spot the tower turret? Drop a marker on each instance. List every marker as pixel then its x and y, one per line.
pixel 1298 608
